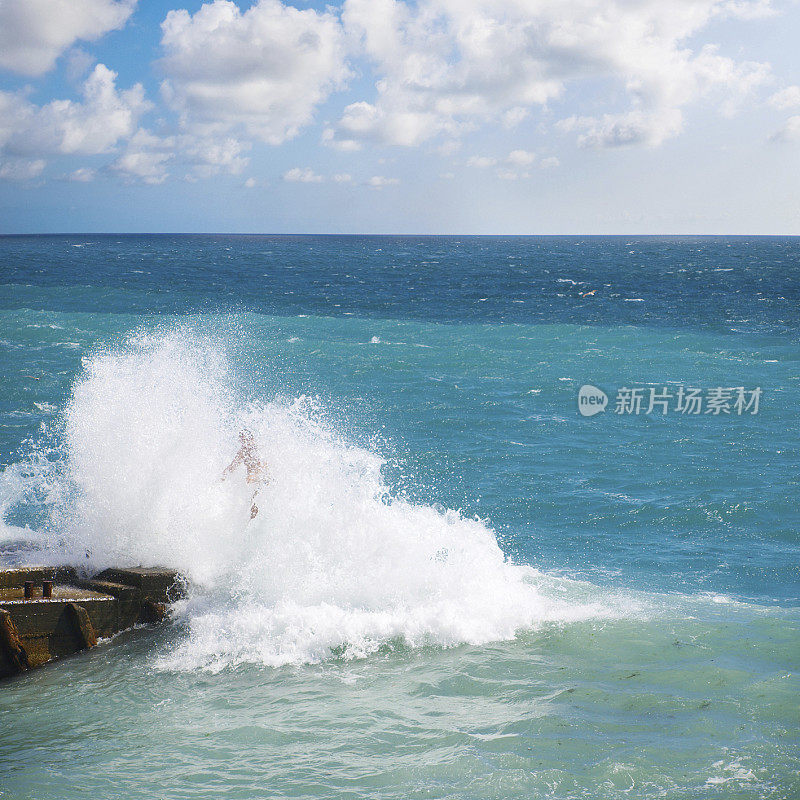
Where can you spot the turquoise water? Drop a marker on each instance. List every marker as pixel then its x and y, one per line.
pixel 457 586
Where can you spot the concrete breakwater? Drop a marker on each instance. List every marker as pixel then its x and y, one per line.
pixel 51 612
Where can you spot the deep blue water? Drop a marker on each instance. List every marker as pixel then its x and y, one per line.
pixel 716 283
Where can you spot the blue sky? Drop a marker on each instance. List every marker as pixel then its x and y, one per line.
pixel 393 116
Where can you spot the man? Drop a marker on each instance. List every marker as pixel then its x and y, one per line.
pixel 257 472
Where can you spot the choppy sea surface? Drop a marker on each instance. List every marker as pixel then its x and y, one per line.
pixel 457 586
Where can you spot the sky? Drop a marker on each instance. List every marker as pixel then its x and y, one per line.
pixel 400 116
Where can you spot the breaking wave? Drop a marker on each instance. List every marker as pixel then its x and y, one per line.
pixel 333 562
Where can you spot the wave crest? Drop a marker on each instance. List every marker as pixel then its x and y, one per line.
pixel 332 563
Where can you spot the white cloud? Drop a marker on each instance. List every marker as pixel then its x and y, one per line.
pixel 379 181
pixel 212 156
pixel 249 183
pixel 631 127
pixel 14 112
pixel 521 158
pixel 34 33
pixel 747 9
pixel 790 132
pixel 364 122
pixel 78 64
pixel 510 175
pixel 261 73
pixel 91 126
pixel 95 124
pixel 21 169
pixel 345 145
pixel 449 147
pixel 445 66
pixel 302 175
pixel 514 116
pixel 343 177
pixel 786 98
pixel 549 163
pixel 82 175
pixel 146 157
pixel 481 162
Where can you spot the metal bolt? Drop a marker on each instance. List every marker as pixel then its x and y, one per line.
pixel 28 590
pixel 47 589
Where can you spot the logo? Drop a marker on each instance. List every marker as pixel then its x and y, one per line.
pixel 719 401
pixel 591 400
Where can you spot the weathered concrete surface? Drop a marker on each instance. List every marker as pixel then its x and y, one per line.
pixel 38 630
pixel 11 577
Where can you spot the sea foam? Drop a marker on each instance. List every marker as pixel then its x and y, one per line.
pixel 333 563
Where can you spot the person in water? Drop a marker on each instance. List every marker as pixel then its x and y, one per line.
pixel 257 473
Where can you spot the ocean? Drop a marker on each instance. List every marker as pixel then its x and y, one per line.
pixel 457 584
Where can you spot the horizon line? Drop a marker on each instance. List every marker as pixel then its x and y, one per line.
pixel 401 235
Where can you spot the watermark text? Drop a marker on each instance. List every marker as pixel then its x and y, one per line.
pixel 688 401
